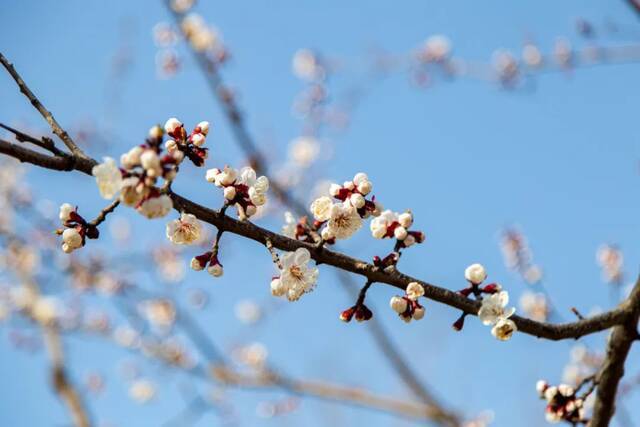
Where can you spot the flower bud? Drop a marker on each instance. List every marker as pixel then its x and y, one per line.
pixel 398 304
pixel 172 125
pixel 405 219
pixel 156 132
pixel 418 313
pixel 65 212
pixel 357 200
pixel 414 291
pixel 475 274
pixel 400 233
pixel 229 192
pixel 211 174
pixel 215 270
pixel 278 289
pixel 204 128
pixel 198 139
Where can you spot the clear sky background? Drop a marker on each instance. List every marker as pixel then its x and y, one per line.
pixel 468 158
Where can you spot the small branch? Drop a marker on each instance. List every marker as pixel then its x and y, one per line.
pixel 44 142
pixel 61 133
pixel 274 255
pixel 104 212
pixel 577 313
pixel 635 5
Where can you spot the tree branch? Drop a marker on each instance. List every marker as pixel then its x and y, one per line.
pixel 344 262
pixel 620 341
pixel 61 133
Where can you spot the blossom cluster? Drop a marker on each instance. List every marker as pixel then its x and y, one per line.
pixel 493 311
pixel 344 218
pixel 390 224
pixel 142 166
pixel 407 306
pixel 562 403
pixel 76 230
pixel 242 189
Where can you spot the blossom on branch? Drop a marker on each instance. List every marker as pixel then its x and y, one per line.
pixel 296 277
pixel 242 189
pixel 184 231
pixel 407 306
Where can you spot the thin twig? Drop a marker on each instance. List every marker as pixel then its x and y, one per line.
pixel 57 129
pixel 104 212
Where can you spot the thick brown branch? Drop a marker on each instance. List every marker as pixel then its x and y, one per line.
pixel 57 129
pixel 344 262
pixel 620 341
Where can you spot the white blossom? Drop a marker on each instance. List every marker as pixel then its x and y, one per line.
pixel 475 274
pixel 437 47
pixel 296 277
pixel 304 150
pixel 414 291
pixel 65 212
pixel 142 391
pixel 108 177
pixel 184 231
pixel 132 191
pixel 290 225
pixel 504 329
pixel 131 158
pixel 156 132
pixel 344 221
pixel 156 207
pixel 215 270
pixel 321 208
pixel 204 127
pixel 71 239
pixel 398 304
pixel 172 125
pixel 493 308
pixel 380 225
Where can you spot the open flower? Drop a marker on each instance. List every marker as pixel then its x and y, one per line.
pixel 493 308
pixel 296 277
pixel 184 231
pixel 156 207
pixel 108 177
pixel 321 208
pixel 503 329
pixel 344 221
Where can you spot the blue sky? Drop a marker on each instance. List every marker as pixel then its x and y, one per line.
pixel 467 157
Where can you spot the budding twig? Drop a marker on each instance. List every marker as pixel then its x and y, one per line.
pixel 104 212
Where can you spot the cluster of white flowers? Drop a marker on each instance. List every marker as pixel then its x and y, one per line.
pixel 185 230
pixel 345 218
pixel 296 277
pixel 76 230
pixel 562 403
pixel 142 166
pixel 241 188
pixel 390 224
pixel 407 306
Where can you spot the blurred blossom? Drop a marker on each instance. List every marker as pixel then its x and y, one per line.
pixel 535 305
pixel 304 150
pixel 436 48
pixel 505 65
pixel 248 312
pixel 197 298
pixel 142 390
pixel 170 264
pixel 253 355
pixel 562 52
pixel 306 65
pixel 159 312
pixel 290 225
pixel 97 321
pixel 94 382
pixel 182 6
pixel 484 419
pixel 167 63
pixel 518 257
pixel 164 35
pixel 120 228
pixel 106 284
pixel 610 259
pixel 126 336
pixel 279 408
pixel 46 309
pixel 531 55
pixel 582 364
pixel 22 297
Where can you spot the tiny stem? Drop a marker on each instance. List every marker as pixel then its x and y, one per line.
pixel 104 212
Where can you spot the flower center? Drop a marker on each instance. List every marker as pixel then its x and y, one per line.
pixel 296 272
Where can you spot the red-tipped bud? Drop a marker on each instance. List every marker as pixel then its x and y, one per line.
pixel 459 324
pixel 347 315
pixel 363 313
pixel 491 288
